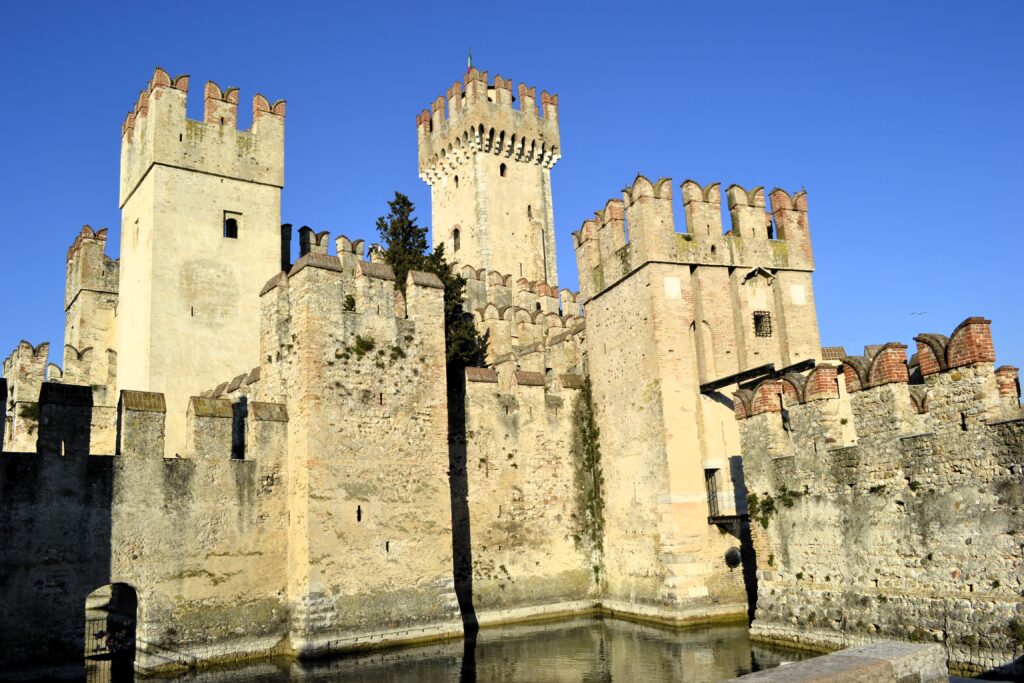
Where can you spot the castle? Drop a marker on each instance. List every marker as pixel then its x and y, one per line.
pixel 243 456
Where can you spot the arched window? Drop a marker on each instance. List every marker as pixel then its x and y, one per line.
pixel 456 182
pixel 456 241
pixel 232 221
pixel 502 169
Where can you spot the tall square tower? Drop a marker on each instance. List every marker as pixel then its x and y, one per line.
pixel 488 164
pixel 200 234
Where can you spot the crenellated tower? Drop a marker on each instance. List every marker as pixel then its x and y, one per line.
pixel 90 330
pixel 487 157
pixel 672 318
pixel 201 233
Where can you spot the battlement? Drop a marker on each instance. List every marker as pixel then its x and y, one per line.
pixel 956 387
pixel 88 266
pixel 157 131
pixel 879 481
pixel 501 289
pixel 481 117
pixel 351 306
pixel 640 228
pixel 26 369
pixel 519 315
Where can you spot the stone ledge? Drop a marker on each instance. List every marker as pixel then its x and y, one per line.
pixel 879 662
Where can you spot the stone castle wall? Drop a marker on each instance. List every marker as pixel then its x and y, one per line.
pixel 308 512
pixel 888 509
pixel 301 475
pixel 200 538
pixel 529 552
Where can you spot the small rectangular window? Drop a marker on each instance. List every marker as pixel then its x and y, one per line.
pixel 762 323
pixel 711 485
pixel 232 224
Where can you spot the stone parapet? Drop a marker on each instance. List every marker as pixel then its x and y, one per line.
pixel 481 118
pixel 157 131
pixel 640 228
pixel 887 508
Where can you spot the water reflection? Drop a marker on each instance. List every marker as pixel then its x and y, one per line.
pixel 584 649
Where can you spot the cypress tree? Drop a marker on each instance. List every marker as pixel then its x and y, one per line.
pixel 407 249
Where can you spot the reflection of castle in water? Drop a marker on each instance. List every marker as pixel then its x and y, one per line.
pixel 570 651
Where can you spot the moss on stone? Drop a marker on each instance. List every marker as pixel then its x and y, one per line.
pixel 588 517
pixel 780 253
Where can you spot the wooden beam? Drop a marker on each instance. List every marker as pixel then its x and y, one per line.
pixel 753 373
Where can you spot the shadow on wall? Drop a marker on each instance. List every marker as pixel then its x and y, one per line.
pixel 748 556
pixel 462 551
pixel 55 526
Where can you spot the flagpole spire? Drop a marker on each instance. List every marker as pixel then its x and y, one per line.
pixel 469 60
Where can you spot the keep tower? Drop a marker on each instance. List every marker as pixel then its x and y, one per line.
pixel 487 157
pixel 200 235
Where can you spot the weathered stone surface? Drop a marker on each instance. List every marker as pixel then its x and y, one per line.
pixel 893 511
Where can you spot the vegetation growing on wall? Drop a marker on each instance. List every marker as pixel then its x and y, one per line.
pixel 762 508
pixel 588 517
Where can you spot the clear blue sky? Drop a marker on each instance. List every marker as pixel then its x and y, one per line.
pixel 902 120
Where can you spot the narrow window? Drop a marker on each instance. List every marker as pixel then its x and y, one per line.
pixel 359 513
pixel 456 182
pixel 232 222
pixel 711 484
pixel 456 239
pixel 222 120
pixel 180 137
pixel 387 546
pixel 762 323
pixel 239 416
pixel 538 305
pixel 529 211
pixel 963 422
pixel 502 169
pixel 381 398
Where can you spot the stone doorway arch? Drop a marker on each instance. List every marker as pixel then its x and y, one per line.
pixel 110 620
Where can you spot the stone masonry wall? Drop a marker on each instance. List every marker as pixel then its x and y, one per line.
pixel 370 527
pixel 200 539
pixel 527 553
pixel 883 509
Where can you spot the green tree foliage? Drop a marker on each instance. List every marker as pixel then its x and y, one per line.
pixel 406 249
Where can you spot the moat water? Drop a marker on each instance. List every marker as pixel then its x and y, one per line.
pixel 590 650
